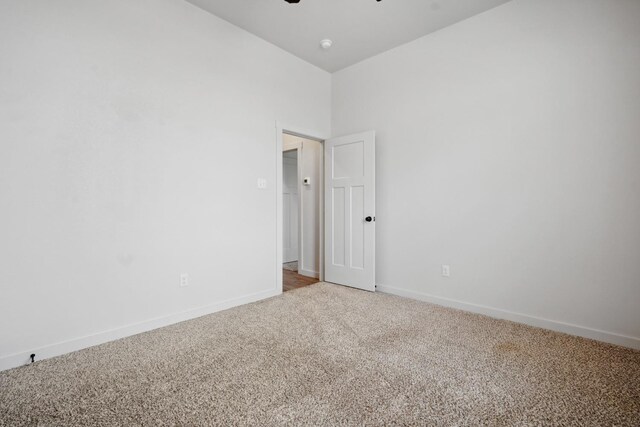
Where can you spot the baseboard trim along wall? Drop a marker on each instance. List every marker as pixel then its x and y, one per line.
pixel 308 273
pixel 22 358
pixel 567 328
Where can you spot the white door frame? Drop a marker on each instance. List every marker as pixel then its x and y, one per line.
pixel 304 133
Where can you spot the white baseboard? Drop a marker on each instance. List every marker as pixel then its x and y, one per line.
pixel 57 349
pixel 567 328
pixel 308 273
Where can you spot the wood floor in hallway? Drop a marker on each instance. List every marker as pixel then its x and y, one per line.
pixel 292 280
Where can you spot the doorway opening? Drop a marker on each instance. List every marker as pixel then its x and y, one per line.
pixel 335 197
pixel 302 199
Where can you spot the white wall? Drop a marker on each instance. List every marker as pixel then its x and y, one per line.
pixel 311 154
pixel 509 147
pixel 117 122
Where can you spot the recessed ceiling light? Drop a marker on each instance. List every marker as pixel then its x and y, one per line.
pixel 325 44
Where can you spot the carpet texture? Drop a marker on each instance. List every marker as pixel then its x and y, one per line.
pixel 332 356
pixel 291 266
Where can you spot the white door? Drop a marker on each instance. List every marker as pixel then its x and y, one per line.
pixel 290 208
pixel 350 228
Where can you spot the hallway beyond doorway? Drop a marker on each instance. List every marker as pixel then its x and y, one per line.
pixel 292 280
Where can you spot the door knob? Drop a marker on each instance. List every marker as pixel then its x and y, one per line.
pixel 368 219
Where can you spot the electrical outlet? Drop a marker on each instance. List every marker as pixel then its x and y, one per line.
pixel 184 280
pixel 262 183
pixel 446 271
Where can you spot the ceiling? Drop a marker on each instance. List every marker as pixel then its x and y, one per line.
pixel 359 29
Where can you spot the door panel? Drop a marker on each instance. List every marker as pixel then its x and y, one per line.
pixel 348 160
pixel 357 227
pixel 349 200
pixel 338 238
pixel 290 210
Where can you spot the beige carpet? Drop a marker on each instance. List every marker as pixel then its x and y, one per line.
pixel 291 266
pixel 329 355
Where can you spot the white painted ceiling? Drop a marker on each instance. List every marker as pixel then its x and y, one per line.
pixel 359 29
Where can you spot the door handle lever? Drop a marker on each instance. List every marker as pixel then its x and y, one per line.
pixel 369 219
